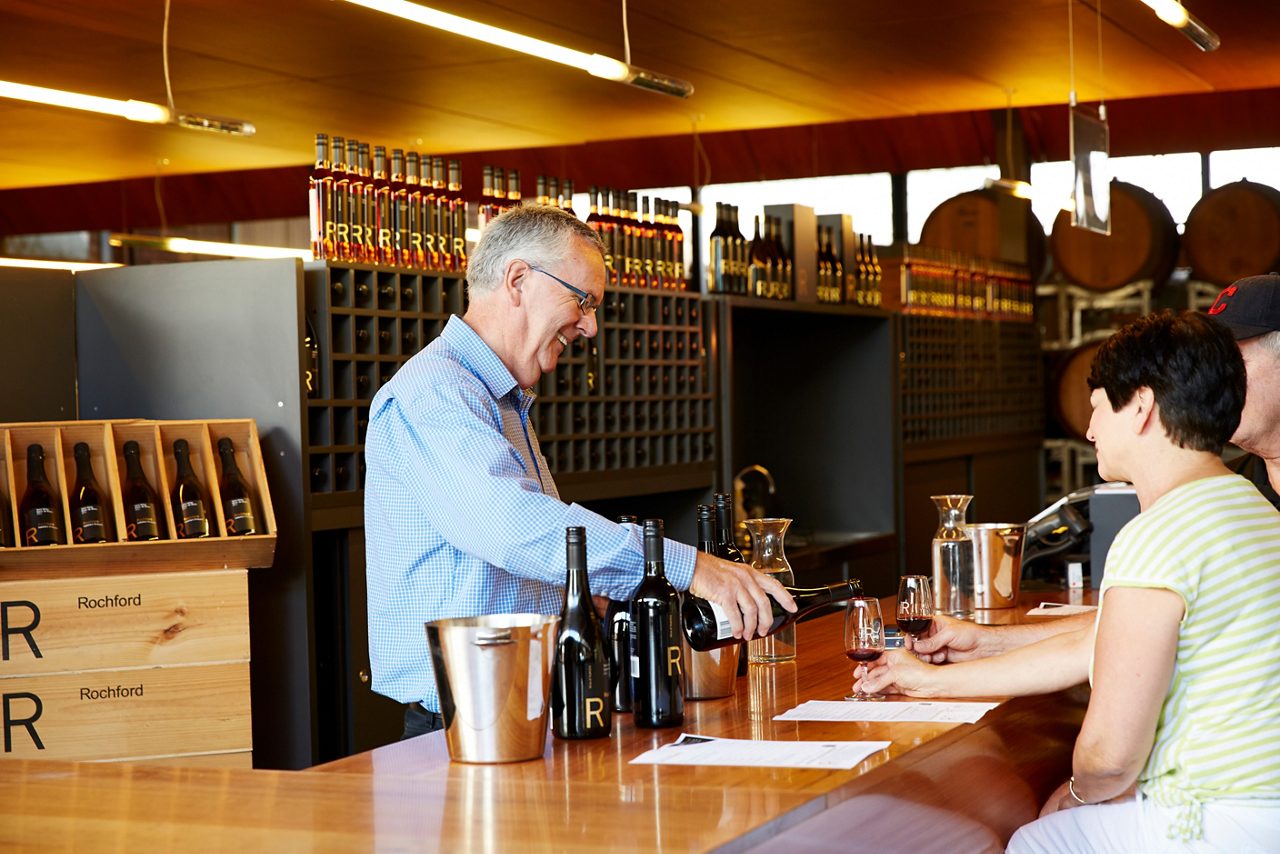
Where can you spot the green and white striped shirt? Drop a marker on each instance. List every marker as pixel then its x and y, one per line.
pixel 1216 543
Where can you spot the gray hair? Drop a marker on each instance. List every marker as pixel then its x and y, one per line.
pixel 539 234
pixel 1270 342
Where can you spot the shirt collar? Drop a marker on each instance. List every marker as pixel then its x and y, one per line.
pixel 479 358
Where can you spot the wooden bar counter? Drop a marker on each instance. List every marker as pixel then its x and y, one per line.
pixel 938 787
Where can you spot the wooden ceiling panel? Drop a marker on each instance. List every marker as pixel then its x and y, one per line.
pixel 294 67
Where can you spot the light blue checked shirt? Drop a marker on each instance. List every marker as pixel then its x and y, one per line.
pixel 461 515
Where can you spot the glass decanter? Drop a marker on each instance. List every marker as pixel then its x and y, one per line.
pixel 769 556
pixel 952 558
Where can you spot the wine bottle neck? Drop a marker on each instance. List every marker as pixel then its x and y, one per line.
pixel 577 586
pixel 35 468
pixel 229 467
pixel 184 463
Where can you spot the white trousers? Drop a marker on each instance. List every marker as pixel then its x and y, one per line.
pixel 1140 825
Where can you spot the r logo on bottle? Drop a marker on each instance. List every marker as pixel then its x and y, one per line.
pixel 673 661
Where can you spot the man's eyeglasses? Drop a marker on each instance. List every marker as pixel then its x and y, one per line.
pixel 586 302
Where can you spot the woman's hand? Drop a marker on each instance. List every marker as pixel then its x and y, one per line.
pixel 899 672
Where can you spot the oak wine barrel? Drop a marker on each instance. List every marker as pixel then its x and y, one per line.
pixel 970 223
pixel 1233 232
pixel 1143 243
pixel 1068 393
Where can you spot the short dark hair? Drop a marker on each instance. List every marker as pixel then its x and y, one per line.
pixel 1192 365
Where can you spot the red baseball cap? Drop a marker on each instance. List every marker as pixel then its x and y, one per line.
pixel 1250 306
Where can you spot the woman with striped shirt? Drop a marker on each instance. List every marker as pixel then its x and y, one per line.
pixel 1179 748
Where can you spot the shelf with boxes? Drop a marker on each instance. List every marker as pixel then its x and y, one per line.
pixel 52 538
pixel 126 648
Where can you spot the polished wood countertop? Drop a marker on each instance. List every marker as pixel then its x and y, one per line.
pixel 943 787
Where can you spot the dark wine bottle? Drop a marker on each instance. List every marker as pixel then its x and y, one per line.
pixel 706 626
pixel 90 510
pixel 580 689
pixel 190 506
pixel 618 617
pixel 142 517
pixel 311 344
pixel 656 669
pixel 727 549
pixel 40 513
pixel 237 501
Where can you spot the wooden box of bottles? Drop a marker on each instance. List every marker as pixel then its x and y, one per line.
pixel 75 553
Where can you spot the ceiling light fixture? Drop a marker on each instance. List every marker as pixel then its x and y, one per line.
pixel 207 247
pixel 41 264
pixel 1009 187
pixel 135 111
pixel 594 64
pixel 1176 15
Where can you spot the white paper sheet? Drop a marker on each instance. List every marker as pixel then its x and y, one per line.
pixel 927 711
pixel 1055 609
pixel 692 749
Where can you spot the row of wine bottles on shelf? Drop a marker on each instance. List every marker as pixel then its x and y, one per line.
pixel 858 285
pixel 762 267
pixel 950 284
pixel 40 512
pixel 643 247
pixel 406 212
pixel 500 191
pixel 639 661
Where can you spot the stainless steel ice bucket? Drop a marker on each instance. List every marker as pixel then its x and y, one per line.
pixel 493 674
pixel 997 563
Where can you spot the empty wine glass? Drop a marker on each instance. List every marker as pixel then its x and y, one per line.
pixel 863 638
pixel 915 605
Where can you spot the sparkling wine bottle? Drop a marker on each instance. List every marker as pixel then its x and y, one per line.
pixel 580 695
pixel 237 501
pixel 656 667
pixel 142 516
pixel 190 506
pixel 40 513
pixel 90 510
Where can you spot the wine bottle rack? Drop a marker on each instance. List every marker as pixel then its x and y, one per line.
pixel 637 398
pixel 155 440
pixel 969 378
pixel 370 321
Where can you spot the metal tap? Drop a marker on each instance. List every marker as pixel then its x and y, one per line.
pixel 741 513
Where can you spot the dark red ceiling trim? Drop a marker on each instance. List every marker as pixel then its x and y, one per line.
pixel 1202 122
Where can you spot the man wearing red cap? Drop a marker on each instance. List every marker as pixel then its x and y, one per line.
pixel 1250 308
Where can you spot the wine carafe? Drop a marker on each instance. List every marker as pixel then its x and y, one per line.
pixel 769 556
pixel 952 558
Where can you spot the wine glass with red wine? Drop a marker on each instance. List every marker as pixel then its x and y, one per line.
pixel 915 605
pixel 863 638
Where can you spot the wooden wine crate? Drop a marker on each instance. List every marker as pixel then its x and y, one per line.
pixel 127 713
pixel 106 440
pixel 117 621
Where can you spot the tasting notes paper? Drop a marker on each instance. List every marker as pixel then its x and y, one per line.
pixel 743 752
pixel 922 711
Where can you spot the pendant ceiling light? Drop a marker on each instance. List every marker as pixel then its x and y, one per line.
pixel 594 64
